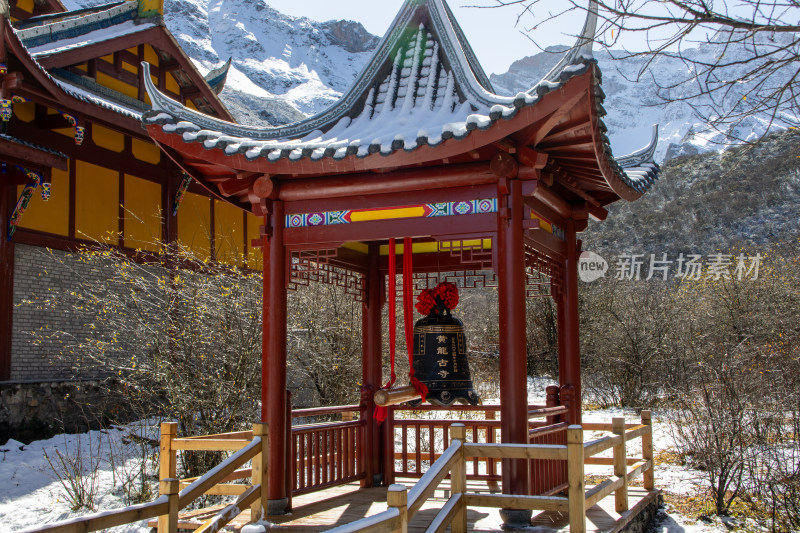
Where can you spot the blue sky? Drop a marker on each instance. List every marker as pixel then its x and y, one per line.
pixel 493 33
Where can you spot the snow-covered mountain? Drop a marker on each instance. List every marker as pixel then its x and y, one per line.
pixel 634 106
pixel 285 68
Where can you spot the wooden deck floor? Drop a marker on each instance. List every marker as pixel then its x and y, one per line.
pixel 326 509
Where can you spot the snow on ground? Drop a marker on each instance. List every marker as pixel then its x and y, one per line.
pixel 31 493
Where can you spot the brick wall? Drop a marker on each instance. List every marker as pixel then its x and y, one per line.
pixel 35 354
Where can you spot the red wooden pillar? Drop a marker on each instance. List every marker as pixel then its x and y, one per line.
pixel 371 366
pixel 513 381
pixel 569 364
pixel 7 202
pixel 273 357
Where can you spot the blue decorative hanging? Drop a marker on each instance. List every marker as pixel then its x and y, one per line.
pixel 181 192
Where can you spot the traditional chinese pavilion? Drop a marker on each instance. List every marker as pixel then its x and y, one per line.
pixel 493 190
pixel 73 98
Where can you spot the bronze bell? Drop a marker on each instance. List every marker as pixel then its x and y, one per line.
pixel 440 360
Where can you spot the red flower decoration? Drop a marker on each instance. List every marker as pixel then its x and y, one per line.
pixel 443 296
pixel 425 302
pixel 447 293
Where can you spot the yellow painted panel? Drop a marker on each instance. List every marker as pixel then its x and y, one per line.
pixel 544 224
pixel 25 111
pixel 134 50
pixel 228 233
pixel 25 5
pixel 172 85
pixel 108 139
pixel 142 214
pixel 51 216
pixel 255 257
pixel 383 214
pixel 116 85
pixel 432 247
pixel 360 247
pixel 150 55
pixel 130 68
pixel 108 59
pixel 96 203
pixel 82 67
pixel 145 151
pixel 190 104
pixel 194 224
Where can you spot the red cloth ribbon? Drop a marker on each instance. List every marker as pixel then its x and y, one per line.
pixel 408 313
pixel 381 411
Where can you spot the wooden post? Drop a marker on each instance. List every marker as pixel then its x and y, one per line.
pixel 290 470
pixel 491 462
pixel 273 358
pixel 458 477
pixel 168 523
pixel 569 370
pixel 397 496
pixel 647 450
pixel 7 199
pixel 511 293
pixel 388 447
pixel 620 466
pixel 371 366
pixel 167 466
pixel 260 473
pixel 577 493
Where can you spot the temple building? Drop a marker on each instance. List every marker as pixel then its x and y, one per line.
pixel 74 149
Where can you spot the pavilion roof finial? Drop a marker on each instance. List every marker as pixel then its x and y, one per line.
pixel 586 38
pixel 577 58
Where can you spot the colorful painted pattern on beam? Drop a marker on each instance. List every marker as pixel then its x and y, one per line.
pixel 443 209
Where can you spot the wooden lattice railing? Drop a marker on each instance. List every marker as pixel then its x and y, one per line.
pixel 403 504
pixel 325 454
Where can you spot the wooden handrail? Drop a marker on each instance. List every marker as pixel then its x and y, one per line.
pixel 548 411
pixel 222 518
pixel 517 451
pixel 310 428
pixel 319 411
pixel 600 445
pixel 209 445
pixel 430 480
pixel 548 430
pixel 386 522
pixel 107 519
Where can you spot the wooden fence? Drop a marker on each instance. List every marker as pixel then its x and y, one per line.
pixel 403 504
pixel 177 494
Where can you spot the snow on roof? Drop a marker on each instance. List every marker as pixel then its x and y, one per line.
pixel 105 34
pixel 77 26
pixel 86 95
pixel 423 86
pixel 22 142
